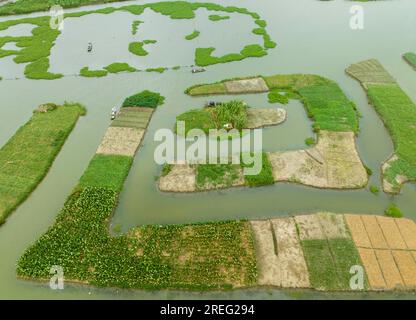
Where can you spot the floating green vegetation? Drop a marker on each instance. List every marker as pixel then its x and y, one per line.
pixel 28 155
pixel 203 56
pixel 410 57
pixel 216 17
pixel 27 6
pixel 398 113
pixel 137 48
pixel 275 96
pixel 135 26
pixel 145 98
pixel 36 49
pixel 259 31
pixel 393 211
pixel 232 113
pixel 86 72
pixel 261 23
pixel 324 101
pixel 265 177
pixel 199 256
pixel 192 35
pixel 158 70
pixel 310 141
pixel 374 189
pixel 329 262
pixel 119 67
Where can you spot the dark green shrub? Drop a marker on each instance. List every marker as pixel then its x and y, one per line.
pixel 144 99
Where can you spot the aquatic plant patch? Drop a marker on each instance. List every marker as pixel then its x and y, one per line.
pixel 204 57
pixel 192 35
pixel 86 72
pixel 36 48
pixel 217 17
pixel 119 67
pixel 28 155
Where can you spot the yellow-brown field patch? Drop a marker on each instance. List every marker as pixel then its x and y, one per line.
pixel 358 232
pixel 374 232
pixel 407 267
pixel 408 231
pixel 391 233
pixel 372 268
pixel 389 268
pixel 121 141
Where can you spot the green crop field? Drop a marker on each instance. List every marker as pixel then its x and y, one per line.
pixel 28 155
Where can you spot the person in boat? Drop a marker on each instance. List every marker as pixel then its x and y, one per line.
pixel 89 46
pixel 113 113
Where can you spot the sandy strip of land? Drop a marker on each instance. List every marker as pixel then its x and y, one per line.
pixel 389 268
pixel 181 178
pixel 294 272
pixel 266 253
pixel 253 85
pixel 358 232
pixel 374 232
pixel 372 268
pixel 391 233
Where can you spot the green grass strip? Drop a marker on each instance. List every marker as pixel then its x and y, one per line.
pixel 28 155
pixel 106 171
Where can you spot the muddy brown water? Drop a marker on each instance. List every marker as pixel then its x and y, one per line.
pixel 312 36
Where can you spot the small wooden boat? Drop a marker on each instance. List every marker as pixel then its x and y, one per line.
pixel 197 70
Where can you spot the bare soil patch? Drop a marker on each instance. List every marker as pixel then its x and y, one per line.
pixel 121 141
pixel 294 272
pixel 267 259
pixel 332 163
pixel 309 227
pixel 182 178
pixel 253 85
pixel 257 118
